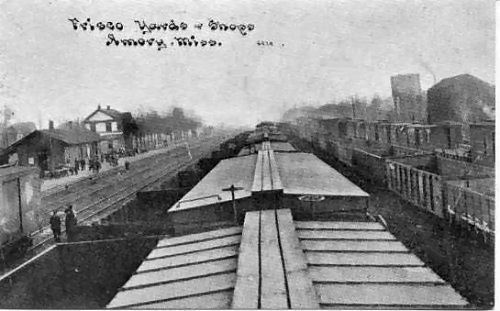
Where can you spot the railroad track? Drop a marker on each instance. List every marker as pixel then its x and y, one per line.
pixel 97 190
pixel 63 194
pixel 89 191
pixel 126 193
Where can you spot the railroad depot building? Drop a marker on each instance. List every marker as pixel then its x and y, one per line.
pixel 114 128
pixel 54 148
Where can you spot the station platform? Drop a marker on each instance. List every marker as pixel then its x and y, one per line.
pixel 274 262
pixel 49 185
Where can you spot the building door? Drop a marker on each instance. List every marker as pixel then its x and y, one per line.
pixel 43 161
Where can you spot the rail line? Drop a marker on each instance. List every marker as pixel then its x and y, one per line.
pixel 94 189
pixel 64 195
pixel 150 175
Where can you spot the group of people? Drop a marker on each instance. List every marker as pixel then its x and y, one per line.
pixel 79 166
pixel 69 222
pixel 94 165
pixel 112 159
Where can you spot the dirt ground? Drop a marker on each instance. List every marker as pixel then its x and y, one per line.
pixel 459 257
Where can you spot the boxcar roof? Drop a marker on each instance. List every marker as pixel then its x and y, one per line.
pixel 237 171
pixel 196 271
pixel 274 262
pixel 304 173
pixel 295 173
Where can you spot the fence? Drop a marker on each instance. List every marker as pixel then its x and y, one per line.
pixel 454 155
pixel 430 192
pixel 470 207
pixel 419 187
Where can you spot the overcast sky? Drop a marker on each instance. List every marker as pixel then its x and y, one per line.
pixel 322 50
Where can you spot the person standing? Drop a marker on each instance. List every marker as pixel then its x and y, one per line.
pixel 70 222
pixel 82 164
pixel 97 166
pixel 55 225
pixel 76 166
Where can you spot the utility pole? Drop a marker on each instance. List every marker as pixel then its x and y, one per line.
pixel 353 109
pixel 189 151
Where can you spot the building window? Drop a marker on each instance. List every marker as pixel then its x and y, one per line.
pixel 108 126
pixel 92 127
pixel 110 145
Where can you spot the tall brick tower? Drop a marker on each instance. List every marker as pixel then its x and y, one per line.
pixel 409 102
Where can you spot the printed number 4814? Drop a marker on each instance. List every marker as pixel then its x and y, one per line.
pixel 265 43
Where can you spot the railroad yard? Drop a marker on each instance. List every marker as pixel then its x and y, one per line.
pixel 103 193
pixel 254 220
pixel 306 155
pixel 467 263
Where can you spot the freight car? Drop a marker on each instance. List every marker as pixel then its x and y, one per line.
pixel 19 208
pixel 280 229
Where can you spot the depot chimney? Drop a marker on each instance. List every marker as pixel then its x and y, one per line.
pixel 108 107
pixel 98 107
pixel 51 125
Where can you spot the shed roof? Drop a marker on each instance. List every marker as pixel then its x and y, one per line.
pixel 75 136
pixel 274 262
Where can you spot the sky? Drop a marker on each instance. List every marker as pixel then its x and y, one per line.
pixel 322 50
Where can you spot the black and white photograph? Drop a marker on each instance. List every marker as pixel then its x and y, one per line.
pixel 247 154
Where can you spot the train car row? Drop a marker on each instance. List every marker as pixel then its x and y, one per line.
pixel 277 228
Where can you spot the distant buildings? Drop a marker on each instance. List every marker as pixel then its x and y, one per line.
pixel 409 102
pixel 15 132
pixel 114 127
pixel 463 98
pixel 482 141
